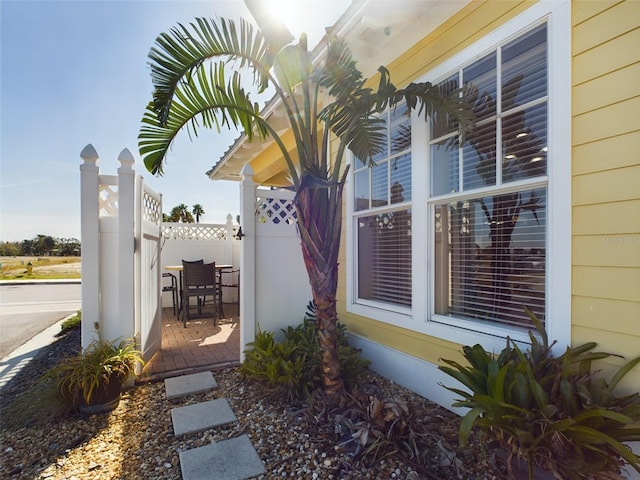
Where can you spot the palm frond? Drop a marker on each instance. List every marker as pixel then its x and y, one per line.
pixel 438 104
pixel 206 101
pixel 179 52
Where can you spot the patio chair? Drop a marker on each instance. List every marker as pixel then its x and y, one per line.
pixel 230 279
pixel 173 288
pixel 199 282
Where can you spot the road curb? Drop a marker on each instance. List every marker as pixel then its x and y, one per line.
pixel 13 363
pixel 52 281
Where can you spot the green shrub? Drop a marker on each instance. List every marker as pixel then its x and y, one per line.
pixel 71 322
pixel 549 411
pixel 292 368
pixel 80 376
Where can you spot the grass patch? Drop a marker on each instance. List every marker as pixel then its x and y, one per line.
pixel 71 323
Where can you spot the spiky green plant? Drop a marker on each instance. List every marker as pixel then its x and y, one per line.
pixel 79 377
pixel 553 412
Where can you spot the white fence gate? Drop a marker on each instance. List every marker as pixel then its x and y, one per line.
pixel 120 227
pixel 148 311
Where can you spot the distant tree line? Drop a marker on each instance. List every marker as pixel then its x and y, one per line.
pixel 41 245
pixel 181 214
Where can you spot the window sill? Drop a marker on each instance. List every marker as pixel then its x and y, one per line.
pixel 491 337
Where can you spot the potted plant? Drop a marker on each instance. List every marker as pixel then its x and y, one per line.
pixel 93 379
pixel 549 412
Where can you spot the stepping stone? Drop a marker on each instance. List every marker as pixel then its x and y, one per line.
pixel 201 416
pixel 178 387
pixel 233 459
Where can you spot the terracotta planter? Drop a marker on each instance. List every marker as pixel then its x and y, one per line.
pixel 106 397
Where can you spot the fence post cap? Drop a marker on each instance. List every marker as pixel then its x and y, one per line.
pixel 126 159
pixel 89 155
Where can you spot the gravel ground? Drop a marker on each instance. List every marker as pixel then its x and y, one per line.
pixel 136 440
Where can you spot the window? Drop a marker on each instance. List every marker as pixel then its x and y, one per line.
pixel 489 248
pixel 486 226
pixel 382 198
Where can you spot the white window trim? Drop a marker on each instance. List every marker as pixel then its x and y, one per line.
pixel 558 294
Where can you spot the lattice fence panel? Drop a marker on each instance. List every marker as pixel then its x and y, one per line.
pixel 108 200
pixel 151 209
pixel 276 211
pixel 194 231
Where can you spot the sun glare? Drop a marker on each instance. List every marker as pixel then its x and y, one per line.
pixel 291 13
pixel 308 16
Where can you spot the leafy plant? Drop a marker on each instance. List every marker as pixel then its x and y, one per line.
pixel 79 377
pixel 553 412
pixel 274 365
pixel 293 367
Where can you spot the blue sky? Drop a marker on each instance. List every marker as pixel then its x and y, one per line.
pixel 74 73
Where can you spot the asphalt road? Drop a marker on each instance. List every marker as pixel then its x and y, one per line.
pixel 26 310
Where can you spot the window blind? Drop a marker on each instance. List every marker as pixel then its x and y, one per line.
pixel 491 258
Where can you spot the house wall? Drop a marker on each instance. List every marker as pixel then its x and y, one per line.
pixel 605 198
pixel 606 178
pixel 463 29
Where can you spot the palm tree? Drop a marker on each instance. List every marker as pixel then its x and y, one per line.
pixel 198 211
pixel 199 75
pixel 180 213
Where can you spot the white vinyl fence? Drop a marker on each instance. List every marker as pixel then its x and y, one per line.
pixel 120 226
pixel 274 286
pixel 126 248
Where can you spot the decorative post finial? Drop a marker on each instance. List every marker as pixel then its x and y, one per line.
pixel 126 159
pixel 89 155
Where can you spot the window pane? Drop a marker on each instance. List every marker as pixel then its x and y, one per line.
pixel 446 87
pixel 361 190
pixel 384 257
pixel 524 144
pixel 444 168
pixel 385 152
pixel 490 257
pixel 480 77
pixel 400 129
pixel 401 178
pixel 380 185
pixel 524 69
pixel 480 157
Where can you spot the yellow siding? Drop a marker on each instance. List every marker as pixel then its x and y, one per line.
pixel 607 219
pixel 624 185
pixel 606 58
pixel 608 89
pixel 610 23
pixel 606 179
pixel 583 10
pixel 604 314
pixel 609 153
pixel 607 282
pixel 616 119
pixel 606 251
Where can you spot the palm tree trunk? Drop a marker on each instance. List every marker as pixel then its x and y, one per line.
pixel 319 220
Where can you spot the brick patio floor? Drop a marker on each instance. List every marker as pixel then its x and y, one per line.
pixel 199 347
